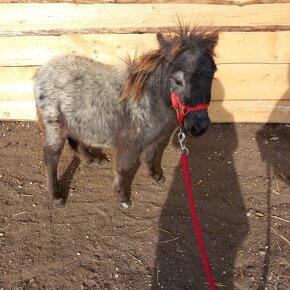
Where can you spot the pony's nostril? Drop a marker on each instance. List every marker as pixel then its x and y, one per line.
pixel 194 131
pixel 198 130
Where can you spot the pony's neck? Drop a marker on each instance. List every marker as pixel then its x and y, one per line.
pixel 158 85
pixel 140 70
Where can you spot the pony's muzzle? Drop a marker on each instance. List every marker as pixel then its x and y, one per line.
pixel 196 123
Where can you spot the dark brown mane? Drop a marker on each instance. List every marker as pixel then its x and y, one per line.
pixel 139 71
pixel 198 38
pixel 183 38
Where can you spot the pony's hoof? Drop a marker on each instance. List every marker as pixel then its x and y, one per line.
pixel 161 180
pixel 126 204
pixel 59 202
pixel 99 162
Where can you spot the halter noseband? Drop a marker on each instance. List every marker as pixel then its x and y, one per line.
pixel 182 110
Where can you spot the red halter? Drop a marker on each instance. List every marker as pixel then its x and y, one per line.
pixel 182 110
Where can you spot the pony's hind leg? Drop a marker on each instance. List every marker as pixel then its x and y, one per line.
pixel 54 136
pixel 85 154
pixel 51 159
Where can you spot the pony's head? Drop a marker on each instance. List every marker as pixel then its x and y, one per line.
pixel 187 57
pixel 191 68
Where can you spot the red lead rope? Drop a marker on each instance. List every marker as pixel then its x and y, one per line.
pixel 181 111
pixel 196 222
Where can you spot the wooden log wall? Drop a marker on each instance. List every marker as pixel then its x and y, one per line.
pixel 253 55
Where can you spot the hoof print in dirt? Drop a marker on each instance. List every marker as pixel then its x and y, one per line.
pixel 60 202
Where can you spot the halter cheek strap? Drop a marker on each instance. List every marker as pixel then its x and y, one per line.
pixel 182 110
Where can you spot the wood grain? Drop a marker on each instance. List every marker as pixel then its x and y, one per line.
pixel 220 2
pixel 59 18
pixel 233 47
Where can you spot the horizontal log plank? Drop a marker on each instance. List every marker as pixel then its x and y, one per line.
pixel 229 111
pixel 16 83
pixel 223 2
pixel 250 111
pixel 18 110
pixel 233 47
pixel 220 2
pixel 252 82
pixel 106 48
pixel 232 82
pixel 119 18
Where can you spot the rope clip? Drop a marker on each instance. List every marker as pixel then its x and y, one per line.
pixel 181 138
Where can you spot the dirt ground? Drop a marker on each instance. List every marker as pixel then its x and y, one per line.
pixel 240 178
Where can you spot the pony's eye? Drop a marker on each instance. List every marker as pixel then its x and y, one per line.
pixel 178 78
pixel 178 82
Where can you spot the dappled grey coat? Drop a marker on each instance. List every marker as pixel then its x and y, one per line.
pixel 127 107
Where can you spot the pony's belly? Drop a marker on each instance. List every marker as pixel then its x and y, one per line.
pixel 92 135
pixel 97 143
pixel 97 139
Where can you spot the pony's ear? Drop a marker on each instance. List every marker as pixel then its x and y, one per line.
pixel 166 44
pixel 211 41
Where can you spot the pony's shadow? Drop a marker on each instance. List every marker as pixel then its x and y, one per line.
pixel 221 211
pixel 67 176
pixel 276 168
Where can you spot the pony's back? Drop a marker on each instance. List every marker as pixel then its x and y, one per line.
pixel 77 91
pixel 75 77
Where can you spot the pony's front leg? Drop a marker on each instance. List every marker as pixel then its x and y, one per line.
pixel 153 162
pixel 124 162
